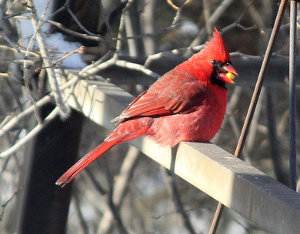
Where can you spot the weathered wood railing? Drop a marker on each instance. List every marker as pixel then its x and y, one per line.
pixel 233 182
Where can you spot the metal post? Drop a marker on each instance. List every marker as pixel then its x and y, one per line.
pixel 292 94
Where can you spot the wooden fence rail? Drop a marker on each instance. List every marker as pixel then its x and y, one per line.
pixel 233 182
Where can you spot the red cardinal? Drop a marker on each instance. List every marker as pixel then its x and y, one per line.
pixel 187 103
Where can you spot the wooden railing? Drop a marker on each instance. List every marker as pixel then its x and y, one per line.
pixel 231 181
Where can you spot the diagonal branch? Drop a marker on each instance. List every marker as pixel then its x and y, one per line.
pixel 177 201
pixel 53 80
pixel 120 187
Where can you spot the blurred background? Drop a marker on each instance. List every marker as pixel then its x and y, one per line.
pixel 125 192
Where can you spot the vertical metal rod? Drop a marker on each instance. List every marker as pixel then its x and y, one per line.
pixel 292 95
pixel 254 99
pixel 260 79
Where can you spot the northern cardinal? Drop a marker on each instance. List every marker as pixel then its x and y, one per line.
pixel 187 103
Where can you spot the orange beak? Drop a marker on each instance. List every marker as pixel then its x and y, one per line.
pixel 229 74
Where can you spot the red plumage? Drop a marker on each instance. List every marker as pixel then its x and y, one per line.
pixel 187 103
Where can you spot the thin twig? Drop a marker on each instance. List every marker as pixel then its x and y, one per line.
pixel 206 12
pixel 82 221
pixel 98 186
pixel 53 81
pixel 119 35
pixel 212 20
pixel 17 49
pixel 66 55
pixel 6 203
pixel 132 28
pixel 177 201
pixel 114 212
pixel 27 76
pixel 136 67
pixel 148 18
pixel 100 65
pixel 60 26
pixel 176 8
pixel 12 122
pixel 30 135
pixel 179 51
pixel 77 21
pixel 121 187
pixel 34 131
pixel 14 71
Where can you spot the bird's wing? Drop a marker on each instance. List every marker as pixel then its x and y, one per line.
pixel 176 92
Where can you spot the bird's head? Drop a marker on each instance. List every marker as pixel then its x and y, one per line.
pixel 215 56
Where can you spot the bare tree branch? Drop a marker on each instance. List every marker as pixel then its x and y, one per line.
pixel 212 20
pixel 83 223
pixel 170 176
pixel 5 204
pixel 121 187
pixel 53 80
pixel 11 122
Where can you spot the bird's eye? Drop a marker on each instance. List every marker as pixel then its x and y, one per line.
pixel 216 64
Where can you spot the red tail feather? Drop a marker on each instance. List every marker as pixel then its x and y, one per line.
pixel 70 174
pixel 132 128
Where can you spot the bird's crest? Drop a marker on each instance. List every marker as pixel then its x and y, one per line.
pixel 214 48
